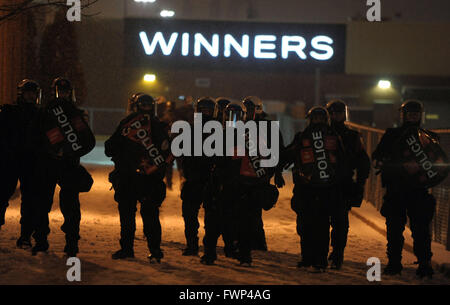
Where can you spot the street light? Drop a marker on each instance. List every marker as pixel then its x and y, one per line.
pixel 150 78
pixel 384 84
pixel 167 13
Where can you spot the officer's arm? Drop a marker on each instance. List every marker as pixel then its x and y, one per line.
pixel 383 148
pixel 362 163
pixel 112 145
pixel 287 155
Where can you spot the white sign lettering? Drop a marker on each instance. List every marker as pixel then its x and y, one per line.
pixel 264 46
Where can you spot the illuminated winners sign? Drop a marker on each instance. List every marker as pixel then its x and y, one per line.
pixel 234 45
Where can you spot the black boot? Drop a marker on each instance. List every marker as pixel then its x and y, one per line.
pixel 244 258
pixel 319 269
pixel 208 259
pixel 71 250
pixel 425 270
pixel 24 242
pixel 231 251
pixel 190 252
pixel 393 268
pixel 332 256
pixel 40 246
pixel 304 264
pixel 337 260
pixel 122 254
pixel 156 255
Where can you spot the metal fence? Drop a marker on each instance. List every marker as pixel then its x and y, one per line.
pixel 374 192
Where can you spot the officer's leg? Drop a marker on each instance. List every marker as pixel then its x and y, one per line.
pixel 304 223
pixel 420 212
pixel 340 224
pixel 8 181
pixel 127 201
pixel 394 211
pixel 46 183
pixel 229 221
pixel 212 231
pixel 69 204
pixel 150 203
pixel 29 200
pixel 246 228
pixel 190 207
pixel 152 228
pixel 259 240
pixel 320 229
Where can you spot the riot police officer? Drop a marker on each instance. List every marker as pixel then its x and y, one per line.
pixel 245 188
pixel 357 161
pixel 66 137
pixel 196 170
pixel 408 158
pixel 317 154
pixel 218 204
pixel 18 125
pixel 255 112
pixel 140 151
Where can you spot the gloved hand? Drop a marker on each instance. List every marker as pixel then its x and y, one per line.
pixel 357 194
pixel 279 181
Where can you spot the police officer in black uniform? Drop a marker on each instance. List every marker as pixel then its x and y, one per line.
pixel 255 112
pixel 218 214
pixel 317 154
pixel 62 168
pixel 140 151
pixel 197 170
pixel 357 161
pixel 407 168
pixel 18 125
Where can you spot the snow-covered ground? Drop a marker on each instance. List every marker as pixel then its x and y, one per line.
pixel 100 233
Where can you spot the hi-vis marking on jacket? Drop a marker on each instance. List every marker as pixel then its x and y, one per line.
pixel 422 158
pixel 67 128
pixel 320 153
pixel 144 137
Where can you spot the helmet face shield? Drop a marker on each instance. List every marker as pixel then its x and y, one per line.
pixel 254 107
pixel 62 88
pixel 233 113
pixel 318 115
pixel 29 91
pixel 142 102
pixel 221 104
pixel 206 106
pixel 338 111
pixel 411 112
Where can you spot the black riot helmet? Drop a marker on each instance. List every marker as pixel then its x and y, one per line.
pixel 221 104
pixel 411 106
pixel 142 102
pixel 318 115
pixel 254 107
pixel 28 85
pixel 337 106
pixel 206 106
pixel 62 88
pixel 234 112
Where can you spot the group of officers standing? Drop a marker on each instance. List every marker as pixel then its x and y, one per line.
pixel 330 169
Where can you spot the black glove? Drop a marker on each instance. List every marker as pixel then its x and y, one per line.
pixel 356 195
pixel 279 181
